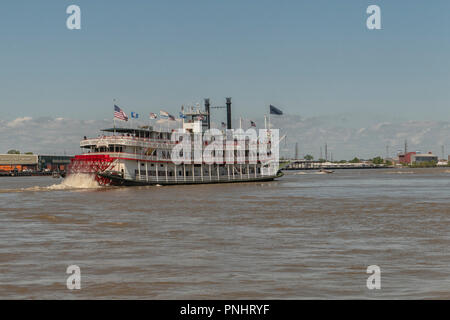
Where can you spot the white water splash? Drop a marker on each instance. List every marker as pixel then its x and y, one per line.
pixel 310 172
pixel 401 172
pixel 77 181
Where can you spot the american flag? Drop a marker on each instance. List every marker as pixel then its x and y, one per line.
pixel 153 116
pixel 119 114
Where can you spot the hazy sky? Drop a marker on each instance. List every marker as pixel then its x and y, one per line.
pixel 310 58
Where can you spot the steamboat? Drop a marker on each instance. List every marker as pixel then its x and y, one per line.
pixel 139 156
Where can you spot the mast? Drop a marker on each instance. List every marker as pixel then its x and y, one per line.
pixel 114 118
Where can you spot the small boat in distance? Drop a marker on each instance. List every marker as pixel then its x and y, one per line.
pixel 143 156
pixel 326 171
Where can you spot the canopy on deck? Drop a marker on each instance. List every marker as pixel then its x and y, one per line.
pixel 141 130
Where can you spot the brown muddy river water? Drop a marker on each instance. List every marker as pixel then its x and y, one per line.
pixel 306 235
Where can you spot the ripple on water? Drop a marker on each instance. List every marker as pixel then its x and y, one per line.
pixel 306 236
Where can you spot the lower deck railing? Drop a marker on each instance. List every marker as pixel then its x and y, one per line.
pixel 205 178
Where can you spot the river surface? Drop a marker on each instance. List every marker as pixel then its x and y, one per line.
pixel 307 235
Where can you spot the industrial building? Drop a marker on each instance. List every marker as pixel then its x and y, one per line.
pixel 405 158
pixel 423 157
pixel 54 163
pixel 32 162
pixel 414 157
pixel 18 162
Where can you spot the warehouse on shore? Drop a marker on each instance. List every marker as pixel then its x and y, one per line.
pixel 33 163
pixel 418 158
pixel 18 162
pixel 54 163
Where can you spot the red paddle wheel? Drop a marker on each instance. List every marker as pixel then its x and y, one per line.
pixel 91 164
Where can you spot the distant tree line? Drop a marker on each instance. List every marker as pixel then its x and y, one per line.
pixel 13 151
pixel 377 160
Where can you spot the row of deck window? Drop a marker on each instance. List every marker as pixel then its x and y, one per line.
pixel 170 173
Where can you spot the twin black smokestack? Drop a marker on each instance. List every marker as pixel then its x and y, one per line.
pixel 208 111
pixel 228 113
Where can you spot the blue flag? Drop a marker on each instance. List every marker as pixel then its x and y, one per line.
pixel 274 110
pixel 134 115
pixel 182 116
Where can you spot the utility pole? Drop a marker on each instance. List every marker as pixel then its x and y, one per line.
pixel 406 147
pixel 296 151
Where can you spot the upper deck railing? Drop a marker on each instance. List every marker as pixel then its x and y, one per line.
pixel 126 141
pixel 131 141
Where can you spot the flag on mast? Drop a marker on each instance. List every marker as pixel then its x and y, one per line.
pixel 120 114
pixel 166 115
pixel 275 110
pixel 153 115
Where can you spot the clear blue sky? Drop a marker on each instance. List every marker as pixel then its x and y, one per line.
pixel 307 57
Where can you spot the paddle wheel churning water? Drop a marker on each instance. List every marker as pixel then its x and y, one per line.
pixel 92 165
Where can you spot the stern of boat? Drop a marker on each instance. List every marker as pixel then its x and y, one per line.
pixel 92 165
